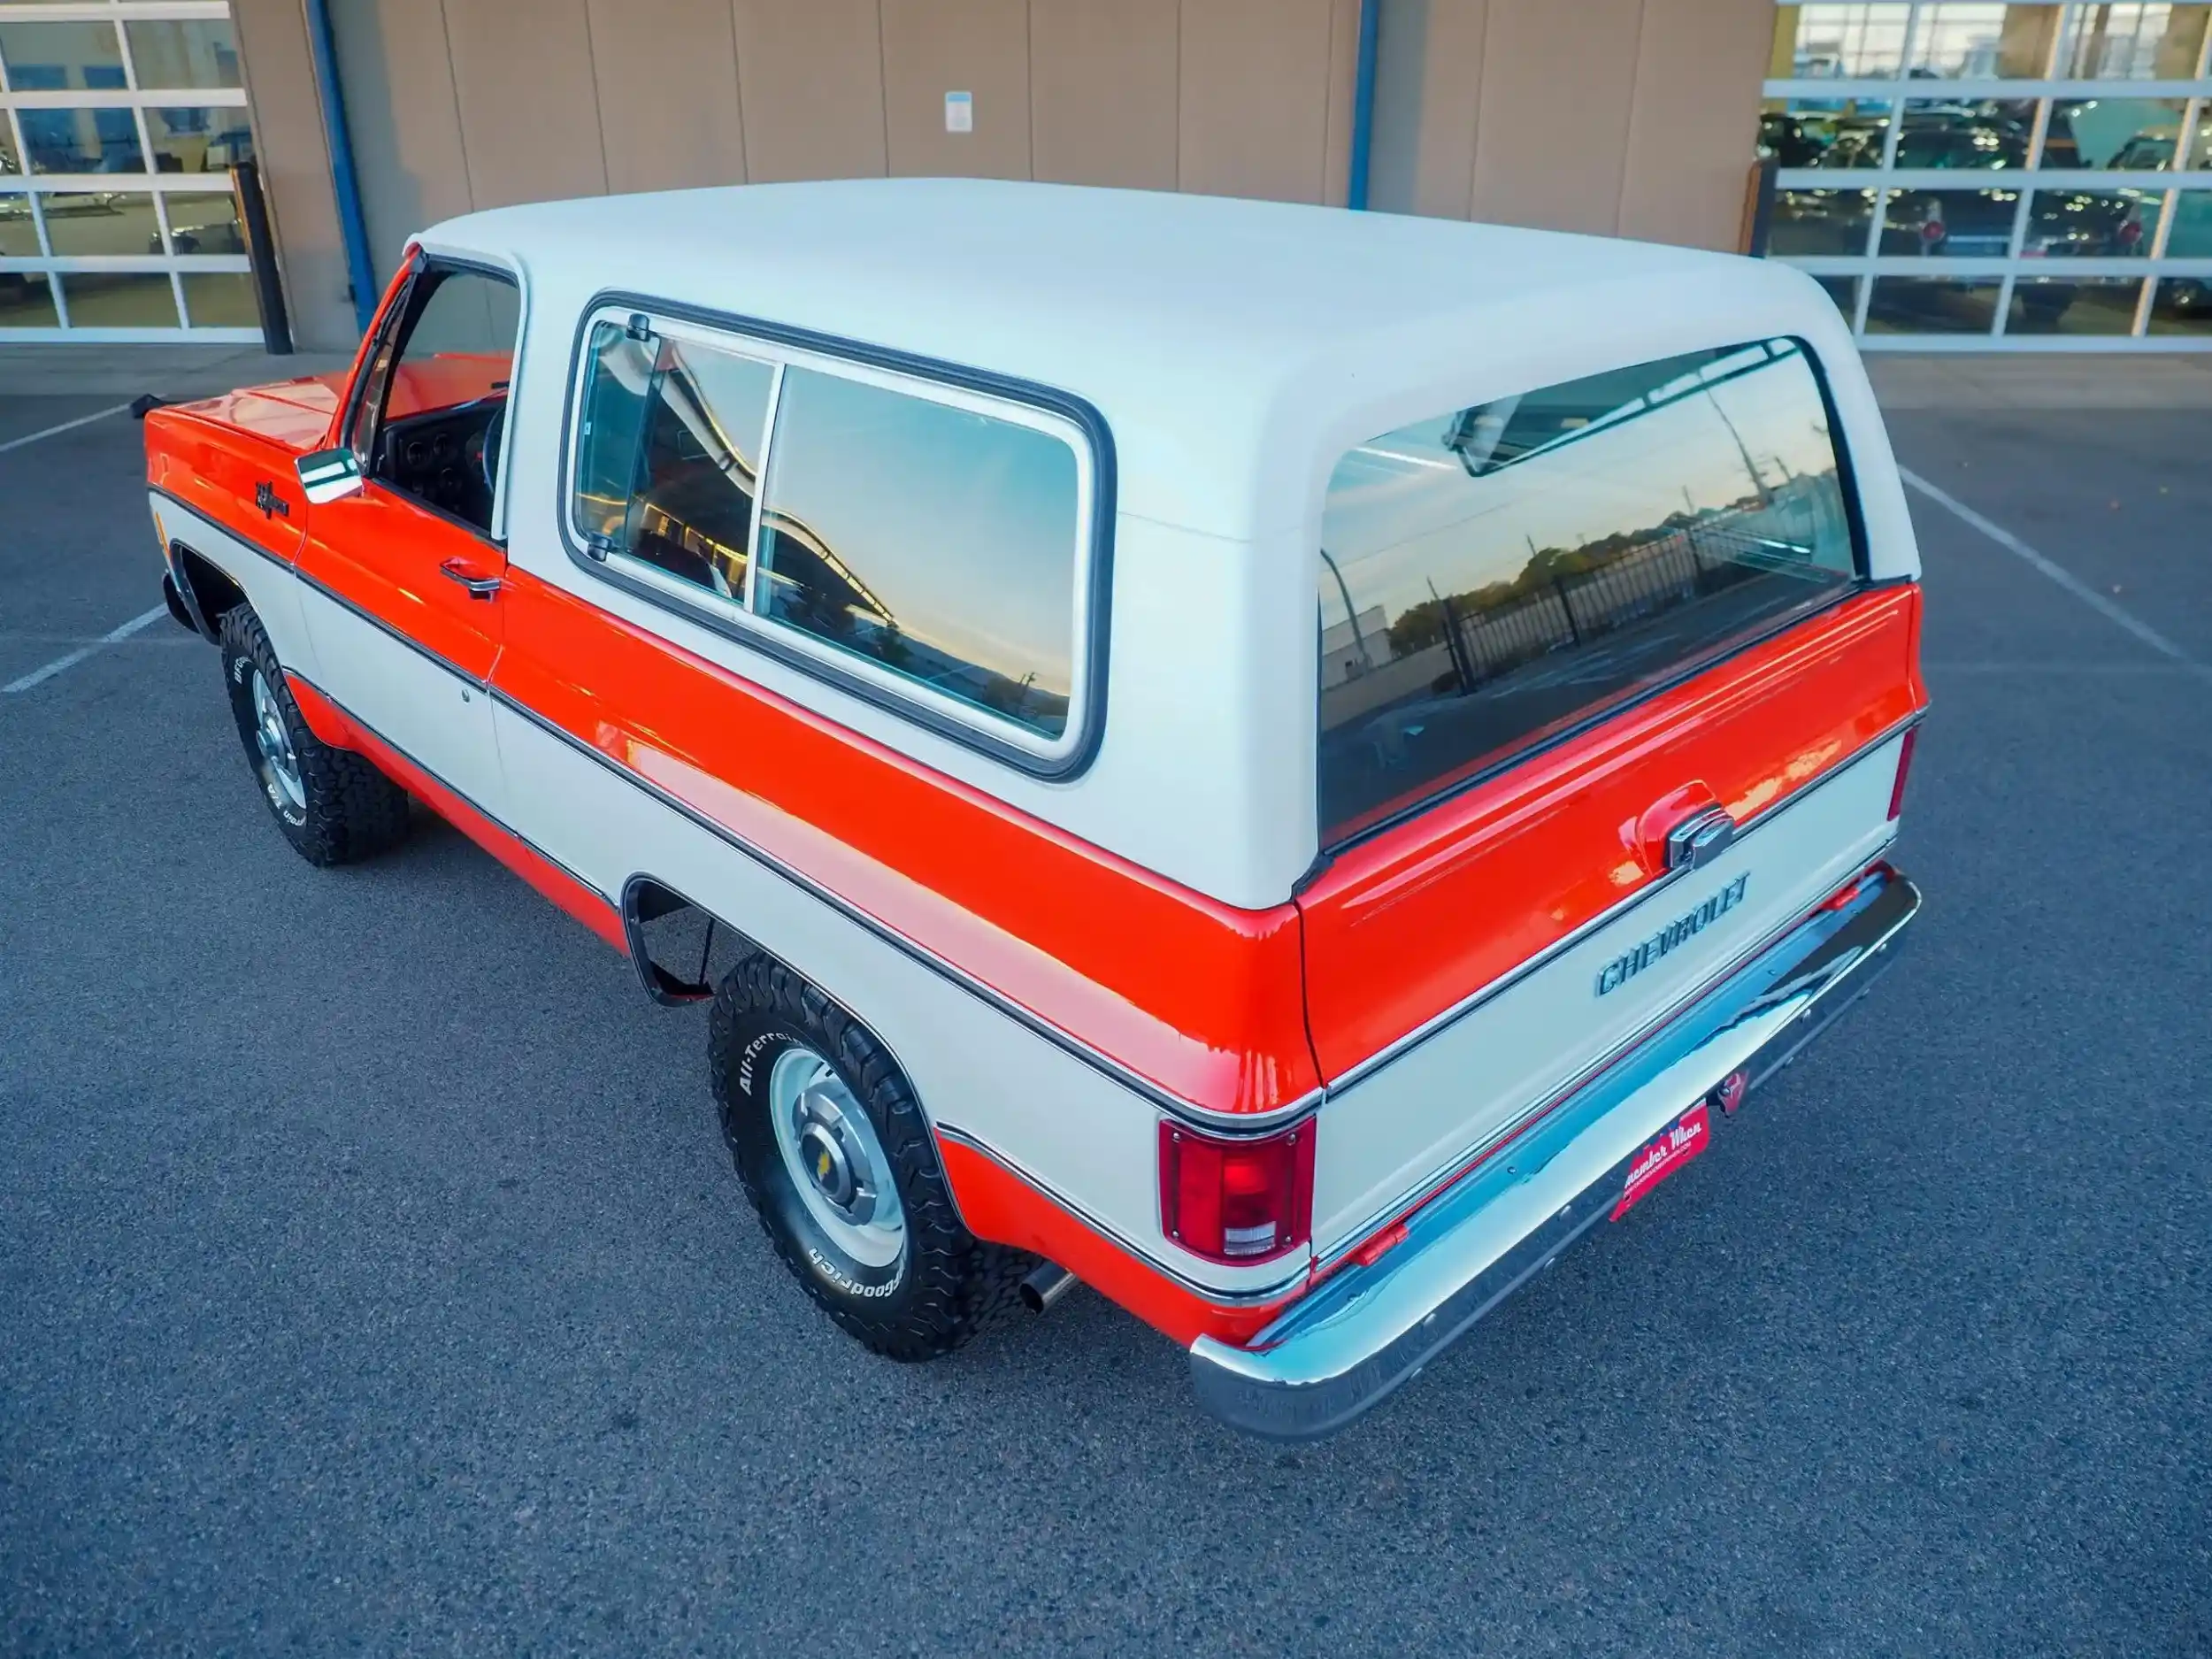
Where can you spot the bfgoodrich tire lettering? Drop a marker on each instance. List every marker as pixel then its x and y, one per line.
pixel 943 1282
pixel 332 804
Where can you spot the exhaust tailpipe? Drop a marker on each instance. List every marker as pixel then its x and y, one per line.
pixel 1045 1286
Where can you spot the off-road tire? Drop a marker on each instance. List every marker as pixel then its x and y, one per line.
pixel 948 1283
pixel 352 811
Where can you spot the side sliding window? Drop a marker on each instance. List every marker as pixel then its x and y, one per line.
pixel 923 543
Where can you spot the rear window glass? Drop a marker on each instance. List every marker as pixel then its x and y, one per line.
pixel 668 455
pixel 936 542
pixel 1497 574
pixel 918 542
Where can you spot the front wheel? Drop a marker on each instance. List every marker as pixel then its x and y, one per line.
pixel 332 804
pixel 835 1156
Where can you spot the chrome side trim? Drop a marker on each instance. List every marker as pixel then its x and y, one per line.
pixel 1113 1234
pixel 326 592
pixel 1217 1122
pixel 1248 1123
pixel 1367 1331
pixel 1658 884
pixel 447 784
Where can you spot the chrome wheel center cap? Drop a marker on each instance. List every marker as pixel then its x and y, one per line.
pixel 827 1163
pixel 835 1160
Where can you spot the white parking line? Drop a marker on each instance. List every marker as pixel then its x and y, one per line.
pixel 62 664
pixel 67 425
pixel 2120 615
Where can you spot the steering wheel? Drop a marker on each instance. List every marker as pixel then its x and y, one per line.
pixel 484 450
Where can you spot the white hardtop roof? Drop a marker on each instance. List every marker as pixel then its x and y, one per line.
pixel 1235 347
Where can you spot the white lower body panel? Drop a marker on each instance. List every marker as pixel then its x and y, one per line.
pixel 266 580
pixel 1083 1138
pixel 1388 1134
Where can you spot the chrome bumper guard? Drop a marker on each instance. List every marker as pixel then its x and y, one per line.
pixel 1365 1330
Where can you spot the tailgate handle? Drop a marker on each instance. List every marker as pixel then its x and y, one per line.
pixel 1700 838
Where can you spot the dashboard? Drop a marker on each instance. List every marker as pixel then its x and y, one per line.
pixel 446 457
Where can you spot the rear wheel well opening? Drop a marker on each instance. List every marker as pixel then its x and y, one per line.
pixel 206 590
pixel 681 950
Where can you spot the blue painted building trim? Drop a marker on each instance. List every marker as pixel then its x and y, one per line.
pixel 1363 104
pixel 352 227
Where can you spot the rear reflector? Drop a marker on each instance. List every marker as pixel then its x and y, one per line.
pixel 1904 766
pixel 1236 1201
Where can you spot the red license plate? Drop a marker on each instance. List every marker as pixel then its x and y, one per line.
pixel 1663 1154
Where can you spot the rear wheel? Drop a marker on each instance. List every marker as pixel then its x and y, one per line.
pixel 834 1154
pixel 332 804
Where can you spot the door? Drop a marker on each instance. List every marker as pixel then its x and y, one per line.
pixel 403 576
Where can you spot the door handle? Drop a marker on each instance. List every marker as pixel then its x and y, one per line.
pixel 480 582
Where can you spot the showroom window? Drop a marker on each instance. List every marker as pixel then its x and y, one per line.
pixel 1990 177
pixel 118 122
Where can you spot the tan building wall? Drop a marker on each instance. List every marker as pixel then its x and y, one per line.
pixel 1633 117
pixel 1629 118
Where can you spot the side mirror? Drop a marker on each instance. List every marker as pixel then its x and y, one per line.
pixel 329 475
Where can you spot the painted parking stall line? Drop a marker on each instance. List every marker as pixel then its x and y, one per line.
pixel 2120 615
pixel 30 438
pixel 62 664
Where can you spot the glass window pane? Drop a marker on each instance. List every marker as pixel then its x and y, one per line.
pixel 8 160
pixel 1496 573
pixel 460 347
pixel 118 299
pixel 1971 133
pixel 669 476
pixel 2183 305
pixel 220 299
pixel 933 540
pixel 1820 221
pixel 198 140
pixel 80 140
pixel 203 222
pixel 2114 132
pixel 27 302
pixel 442 405
pixel 60 57
pixel 101 222
pixel 2133 42
pixel 2081 305
pixel 2191 236
pixel 1824 131
pixel 18 235
pixel 2200 154
pixel 1959 41
pixel 618 382
pixel 1923 305
pixel 1844 290
pixel 2091 223
pixel 1950 224
pixel 1861 40
pixel 201 52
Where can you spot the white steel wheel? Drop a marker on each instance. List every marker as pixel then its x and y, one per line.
pixel 834 1158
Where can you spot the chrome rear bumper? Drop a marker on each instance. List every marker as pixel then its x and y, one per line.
pixel 1365 1330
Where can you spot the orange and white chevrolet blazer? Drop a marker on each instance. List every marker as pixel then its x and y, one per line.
pixel 1283 763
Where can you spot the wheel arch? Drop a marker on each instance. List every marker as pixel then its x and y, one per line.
pixel 209 594
pixel 647 898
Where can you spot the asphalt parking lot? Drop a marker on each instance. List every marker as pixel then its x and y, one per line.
pixel 373 1277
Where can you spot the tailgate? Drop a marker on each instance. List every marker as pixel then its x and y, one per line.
pixel 1467 965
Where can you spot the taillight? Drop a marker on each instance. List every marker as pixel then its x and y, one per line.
pixel 1240 1201
pixel 1904 766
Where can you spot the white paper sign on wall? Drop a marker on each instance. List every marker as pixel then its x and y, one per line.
pixel 960 111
